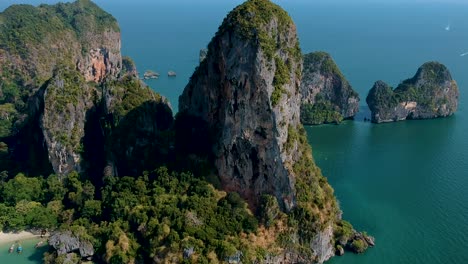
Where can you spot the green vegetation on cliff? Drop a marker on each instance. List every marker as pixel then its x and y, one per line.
pixel 252 21
pixel 25 26
pixel 327 65
pixel 316 204
pixel 281 78
pixel 128 94
pixel 327 97
pixel 321 112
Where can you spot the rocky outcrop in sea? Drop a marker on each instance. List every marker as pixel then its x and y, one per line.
pixel 430 93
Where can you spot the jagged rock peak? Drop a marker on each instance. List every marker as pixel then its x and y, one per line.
pixel 247 91
pixel 430 93
pixel 327 97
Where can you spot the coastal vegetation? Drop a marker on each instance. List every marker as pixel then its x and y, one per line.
pixel 158 215
pixel 321 112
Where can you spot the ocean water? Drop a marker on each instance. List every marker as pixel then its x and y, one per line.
pixel 404 183
pixel 30 254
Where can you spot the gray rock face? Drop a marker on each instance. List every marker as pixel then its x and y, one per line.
pixel 67 99
pixel 322 245
pixel 430 93
pixel 323 84
pixel 340 251
pixel 232 92
pixel 104 59
pixel 203 54
pixel 66 242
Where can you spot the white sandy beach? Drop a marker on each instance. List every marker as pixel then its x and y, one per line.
pixel 12 237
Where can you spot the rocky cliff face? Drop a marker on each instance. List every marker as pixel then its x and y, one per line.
pixel 249 94
pixel 430 93
pixel 247 91
pixel 61 77
pixel 67 99
pixel 327 97
pixel 67 245
pixel 41 48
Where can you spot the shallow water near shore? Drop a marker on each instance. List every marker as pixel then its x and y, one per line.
pixel 404 183
pixel 30 254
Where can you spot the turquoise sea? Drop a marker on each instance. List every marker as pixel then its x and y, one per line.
pixel 30 254
pixel 405 183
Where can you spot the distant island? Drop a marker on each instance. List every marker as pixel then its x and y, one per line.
pixel 430 93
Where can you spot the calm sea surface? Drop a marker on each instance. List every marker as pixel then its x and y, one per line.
pixel 30 254
pixel 405 183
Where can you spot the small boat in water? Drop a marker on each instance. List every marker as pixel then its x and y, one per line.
pixel 19 249
pixel 39 244
pixel 11 249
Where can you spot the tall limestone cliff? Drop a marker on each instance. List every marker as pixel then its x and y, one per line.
pixel 247 92
pixel 327 97
pixel 67 99
pixel 47 54
pixel 430 93
pixel 60 71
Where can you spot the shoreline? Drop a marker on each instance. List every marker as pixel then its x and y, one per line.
pixel 12 237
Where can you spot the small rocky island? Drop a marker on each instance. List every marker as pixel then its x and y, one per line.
pixel 149 74
pixel 430 93
pixel 327 97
